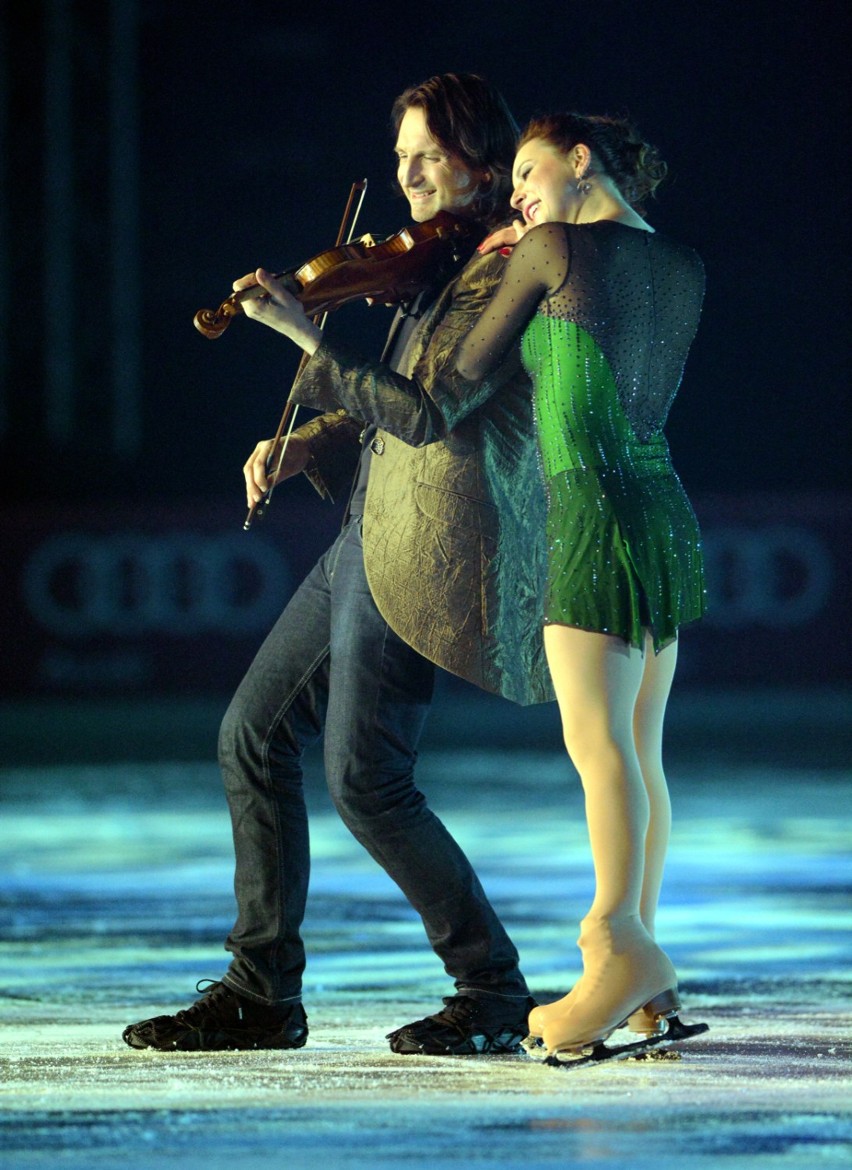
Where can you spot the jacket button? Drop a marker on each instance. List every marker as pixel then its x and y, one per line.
pixel 377 445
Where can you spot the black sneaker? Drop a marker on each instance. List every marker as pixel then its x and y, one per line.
pixel 222 1019
pixel 466 1027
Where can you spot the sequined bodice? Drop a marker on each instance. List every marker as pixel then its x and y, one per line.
pixel 636 294
pixel 586 429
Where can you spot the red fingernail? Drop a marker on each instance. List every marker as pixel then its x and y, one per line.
pixel 505 251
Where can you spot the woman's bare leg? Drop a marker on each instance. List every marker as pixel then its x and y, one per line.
pixel 598 680
pixel 648 717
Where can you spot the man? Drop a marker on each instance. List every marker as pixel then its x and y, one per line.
pixel 435 564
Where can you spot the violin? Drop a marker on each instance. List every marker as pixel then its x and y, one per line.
pixel 389 272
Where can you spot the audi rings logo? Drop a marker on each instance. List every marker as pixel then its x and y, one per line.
pixel 778 575
pixel 80 584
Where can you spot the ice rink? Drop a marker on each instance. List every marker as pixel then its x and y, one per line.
pixel 116 896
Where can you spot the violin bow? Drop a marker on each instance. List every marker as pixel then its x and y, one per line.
pixel 291 409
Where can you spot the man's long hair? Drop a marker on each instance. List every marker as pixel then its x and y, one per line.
pixel 469 118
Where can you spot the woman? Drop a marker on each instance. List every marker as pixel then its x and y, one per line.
pixel 607 309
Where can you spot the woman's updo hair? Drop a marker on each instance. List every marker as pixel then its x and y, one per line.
pixel 635 166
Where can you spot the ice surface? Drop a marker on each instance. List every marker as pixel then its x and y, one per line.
pixel 116 896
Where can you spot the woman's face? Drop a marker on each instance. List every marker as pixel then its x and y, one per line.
pixel 545 183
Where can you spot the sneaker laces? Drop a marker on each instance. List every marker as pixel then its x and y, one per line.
pixel 458 1012
pixel 218 1005
pixel 463 1013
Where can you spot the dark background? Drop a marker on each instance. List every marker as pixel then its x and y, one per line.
pixel 253 120
pixel 204 139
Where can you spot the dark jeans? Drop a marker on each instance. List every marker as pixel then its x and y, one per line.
pixel 332 662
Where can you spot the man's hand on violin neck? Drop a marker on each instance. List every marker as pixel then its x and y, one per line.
pixel 261 469
pixel 267 300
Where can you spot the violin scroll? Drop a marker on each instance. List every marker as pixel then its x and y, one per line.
pixel 213 322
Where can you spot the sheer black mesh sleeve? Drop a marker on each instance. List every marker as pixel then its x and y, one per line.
pixel 538 266
pixel 427 405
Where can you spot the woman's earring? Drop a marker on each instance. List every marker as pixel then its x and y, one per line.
pixel 583 187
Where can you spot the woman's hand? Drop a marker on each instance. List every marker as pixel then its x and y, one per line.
pixel 259 480
pixel 505 238
pixel 274 306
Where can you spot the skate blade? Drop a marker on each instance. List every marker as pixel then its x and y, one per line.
pixel 534 1047
pixel 600 1052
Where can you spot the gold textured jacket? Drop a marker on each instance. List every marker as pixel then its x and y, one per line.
pixel 455 507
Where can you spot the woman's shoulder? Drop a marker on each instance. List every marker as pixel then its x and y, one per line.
pixel 656 241
pixel 679 253
pixel 544 238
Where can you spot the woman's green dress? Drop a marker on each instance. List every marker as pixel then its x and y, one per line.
pixel 609 313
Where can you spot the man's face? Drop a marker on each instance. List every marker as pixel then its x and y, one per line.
pixel 431 179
